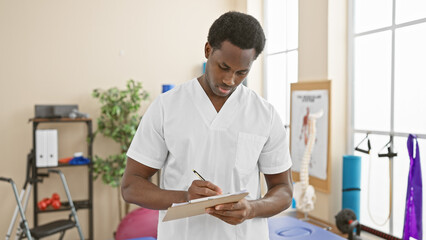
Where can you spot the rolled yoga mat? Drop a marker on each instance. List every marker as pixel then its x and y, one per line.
pixel 351 184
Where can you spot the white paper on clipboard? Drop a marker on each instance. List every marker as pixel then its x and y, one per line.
pixel 198 206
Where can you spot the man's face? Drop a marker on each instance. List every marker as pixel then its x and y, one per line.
pixel 226 68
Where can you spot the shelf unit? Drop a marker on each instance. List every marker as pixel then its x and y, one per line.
pixel 80 204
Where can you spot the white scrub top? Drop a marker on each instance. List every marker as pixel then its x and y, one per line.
pixel 182 131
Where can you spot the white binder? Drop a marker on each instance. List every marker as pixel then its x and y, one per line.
pixel 41 148
pixel 52 147
pixel 46 147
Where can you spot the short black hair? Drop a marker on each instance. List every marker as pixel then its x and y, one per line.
pixel 240 29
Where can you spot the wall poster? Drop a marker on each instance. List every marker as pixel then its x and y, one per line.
pixel 311 98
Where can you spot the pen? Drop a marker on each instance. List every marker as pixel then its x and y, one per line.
pixel 198 175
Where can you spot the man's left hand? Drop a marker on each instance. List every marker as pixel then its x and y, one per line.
pixel 232 213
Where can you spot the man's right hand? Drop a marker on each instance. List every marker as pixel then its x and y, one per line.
pixel 200 189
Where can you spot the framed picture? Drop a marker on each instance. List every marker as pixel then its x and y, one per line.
pixel 311 98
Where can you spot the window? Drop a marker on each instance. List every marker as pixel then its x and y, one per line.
pixel 387 45
pixel 281 53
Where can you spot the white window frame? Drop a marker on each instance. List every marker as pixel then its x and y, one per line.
pixel 351 46
pixel 286 119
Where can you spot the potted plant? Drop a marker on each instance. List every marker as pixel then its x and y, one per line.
pixel 119 119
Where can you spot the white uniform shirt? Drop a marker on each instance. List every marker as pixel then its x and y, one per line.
pixel 182 131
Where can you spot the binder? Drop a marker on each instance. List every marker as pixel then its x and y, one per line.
pixel 198 206
pixel 41 148
pixel 52 147
pixel 46 148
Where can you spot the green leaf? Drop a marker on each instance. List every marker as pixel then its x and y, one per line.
pixel 118 121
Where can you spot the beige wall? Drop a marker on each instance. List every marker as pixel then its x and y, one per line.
pixel 322 55
pixel 56 52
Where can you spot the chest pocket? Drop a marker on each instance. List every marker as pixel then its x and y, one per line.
pixel 249 147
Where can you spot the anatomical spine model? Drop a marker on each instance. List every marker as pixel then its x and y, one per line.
pixel 304 193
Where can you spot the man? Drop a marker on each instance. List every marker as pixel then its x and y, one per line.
pixel 220 128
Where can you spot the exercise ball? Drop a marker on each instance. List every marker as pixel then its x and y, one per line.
pixel 138 223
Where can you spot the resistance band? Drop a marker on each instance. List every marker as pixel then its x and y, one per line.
pixel 413 207
pixel 368 193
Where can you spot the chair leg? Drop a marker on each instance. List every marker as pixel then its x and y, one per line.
pixel 62 235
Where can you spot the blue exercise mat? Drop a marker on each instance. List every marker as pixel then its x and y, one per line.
pixel 290 228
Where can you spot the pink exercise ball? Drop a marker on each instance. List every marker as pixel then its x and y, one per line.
pixel 138 223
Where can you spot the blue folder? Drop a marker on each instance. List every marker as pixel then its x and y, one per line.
pixel 290 228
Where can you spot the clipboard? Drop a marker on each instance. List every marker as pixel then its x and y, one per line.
pixel 198 206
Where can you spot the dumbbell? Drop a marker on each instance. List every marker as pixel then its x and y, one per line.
pixel 346 222
pixel 55 201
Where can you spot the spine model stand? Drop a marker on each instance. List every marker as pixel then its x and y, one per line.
pixel 304 193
